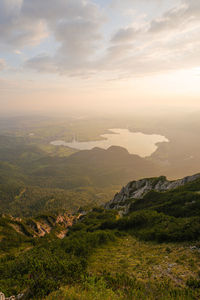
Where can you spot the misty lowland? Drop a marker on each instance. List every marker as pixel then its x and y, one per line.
pixel 99 150
pixel 99 223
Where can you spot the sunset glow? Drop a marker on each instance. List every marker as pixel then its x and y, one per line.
pixel 96 54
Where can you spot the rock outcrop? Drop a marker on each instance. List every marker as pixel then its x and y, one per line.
pixel 2 297
pixel 42 225
pixel 138 189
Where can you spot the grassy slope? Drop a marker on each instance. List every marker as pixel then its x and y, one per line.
pixel 92 263
pixel 161 272
pixel 129 268
pixel 12 240
pixel 35 200
pixel 146 260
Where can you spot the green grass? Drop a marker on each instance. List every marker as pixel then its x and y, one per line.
pixel 91 291
pixel 130 269
pixel 147 260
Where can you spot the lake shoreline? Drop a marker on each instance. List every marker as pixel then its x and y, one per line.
pixel 138 143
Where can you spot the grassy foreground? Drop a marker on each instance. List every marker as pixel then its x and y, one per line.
pixel 163 271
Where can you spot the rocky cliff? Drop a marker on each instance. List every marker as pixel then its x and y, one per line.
pixel 41 225
pixel 138 189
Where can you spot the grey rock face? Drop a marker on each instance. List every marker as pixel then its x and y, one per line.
pixel 138 189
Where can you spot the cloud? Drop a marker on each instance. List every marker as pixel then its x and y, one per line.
pixel 43 63
pixel 78 45
pixel 129 3
pixel 16 28
pixel 17 52
pixel 74 25
pixel 2 64
pixel 178 18
pixel 157 44
pixel 125 35
pixel 27 22
pixel 169 42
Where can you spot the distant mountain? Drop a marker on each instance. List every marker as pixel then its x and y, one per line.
pixel 112 166
pixel 32 181
pixel 97 167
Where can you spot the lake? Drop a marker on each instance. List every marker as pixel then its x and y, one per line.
pixel 135 142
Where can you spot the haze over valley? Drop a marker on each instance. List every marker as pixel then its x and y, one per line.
pixel 136 143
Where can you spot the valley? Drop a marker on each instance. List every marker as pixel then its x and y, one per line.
pixel 98 223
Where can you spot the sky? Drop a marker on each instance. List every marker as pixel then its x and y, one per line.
pixel 113 55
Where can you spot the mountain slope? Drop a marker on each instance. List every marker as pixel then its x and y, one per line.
pixel 159 233
pixel 139 189
pixel 20 233
pixel 52 182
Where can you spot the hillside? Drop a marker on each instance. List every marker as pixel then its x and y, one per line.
pixel 20 234
pixel 152 252
pixel 150 187
pixel 32 180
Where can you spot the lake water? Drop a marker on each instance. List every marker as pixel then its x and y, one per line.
pixel 135 142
